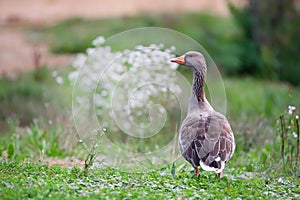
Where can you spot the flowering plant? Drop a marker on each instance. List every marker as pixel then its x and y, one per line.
pixel 127 89
pixel 289 132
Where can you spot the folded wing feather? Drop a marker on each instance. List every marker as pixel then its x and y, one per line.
pixel 206 137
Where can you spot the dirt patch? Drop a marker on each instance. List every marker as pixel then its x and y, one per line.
pixel 41 11
pixel 18 55
pixel 64 162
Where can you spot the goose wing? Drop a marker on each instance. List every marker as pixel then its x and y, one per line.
pixel 206 138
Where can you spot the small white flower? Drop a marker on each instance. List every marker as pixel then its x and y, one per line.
pixel 295 135
pixel 79 60
pixel 98 41
pixel 59 80
pixel 163 89
pixel 174 66
pixel 73 75
pixel 291 109
pixel 104 93
pixel 90 51
pixel 161 110
pixel 54 73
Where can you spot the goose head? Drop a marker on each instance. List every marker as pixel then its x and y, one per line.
pixel 192 59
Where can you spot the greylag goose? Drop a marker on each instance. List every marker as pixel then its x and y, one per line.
pixel 205 137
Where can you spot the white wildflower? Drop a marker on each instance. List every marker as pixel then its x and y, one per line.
pixel 136 72
pixel 73 75
pixel 104 93
pixel 54 73
pixel 294 134
pixel 90 51
pixel 172 48
pixel 98 41
pixel 79 61
pixel 291 109
pixel 59 80
pixel 161 110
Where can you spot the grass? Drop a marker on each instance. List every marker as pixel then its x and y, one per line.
pixel 253 172
pixel 21 97
pixel 31 96
pixel 38 181
pixel 253 96
pixel 34 142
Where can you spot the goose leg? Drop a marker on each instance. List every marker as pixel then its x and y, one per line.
pixel 197 171
pixel 220 175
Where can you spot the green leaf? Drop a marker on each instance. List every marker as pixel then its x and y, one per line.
pixel 173 169
pixel 11 150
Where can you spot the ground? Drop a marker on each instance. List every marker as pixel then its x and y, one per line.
pixel 18 54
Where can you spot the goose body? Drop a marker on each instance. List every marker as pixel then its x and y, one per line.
pixel 205 137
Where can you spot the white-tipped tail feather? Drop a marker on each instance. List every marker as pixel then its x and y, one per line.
pixel 213 169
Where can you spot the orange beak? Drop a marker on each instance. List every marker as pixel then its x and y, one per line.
pixel 179 60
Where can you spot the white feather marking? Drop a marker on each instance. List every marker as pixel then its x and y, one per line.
pixel 218 158
pixel 212 169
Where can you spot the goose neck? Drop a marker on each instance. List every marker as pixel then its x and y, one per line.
pixel 198 86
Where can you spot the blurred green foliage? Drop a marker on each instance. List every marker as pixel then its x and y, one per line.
pixel 39 181
pixel 260 39
pixel 214 33
pixel 23 97
pixel 33 142
pixel 269 44
pixel 32 95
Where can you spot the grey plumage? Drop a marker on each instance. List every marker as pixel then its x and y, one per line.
pixel 205 137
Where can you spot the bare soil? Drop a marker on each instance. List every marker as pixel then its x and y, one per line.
pixel 18 55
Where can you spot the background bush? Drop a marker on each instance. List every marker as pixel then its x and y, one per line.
pixel 268 42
